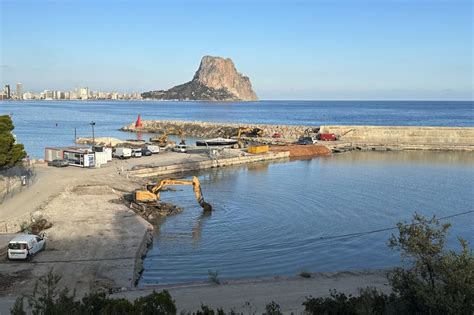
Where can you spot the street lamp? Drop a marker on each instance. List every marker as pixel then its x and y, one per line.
pixel 92 123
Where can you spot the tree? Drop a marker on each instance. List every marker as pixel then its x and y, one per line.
pixel 437 281
pixel 10 152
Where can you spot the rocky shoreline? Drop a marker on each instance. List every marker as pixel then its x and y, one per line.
pixel 202 129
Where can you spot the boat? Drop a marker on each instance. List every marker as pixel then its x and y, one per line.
pixel 216 142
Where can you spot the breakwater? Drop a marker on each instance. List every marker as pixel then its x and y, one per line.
pixel 353 137
pixel 204 164
pixel 443 136
pixel 202 129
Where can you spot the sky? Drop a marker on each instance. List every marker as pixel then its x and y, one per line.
pixel 308 50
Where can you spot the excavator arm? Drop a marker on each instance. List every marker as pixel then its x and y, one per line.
pixel 153 193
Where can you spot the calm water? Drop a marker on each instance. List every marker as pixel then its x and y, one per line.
pixel 268 219
pixel 36 128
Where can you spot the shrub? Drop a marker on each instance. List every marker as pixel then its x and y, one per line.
pixel 213 276
pixel 10 152
pixel 437 281
pixel 272 309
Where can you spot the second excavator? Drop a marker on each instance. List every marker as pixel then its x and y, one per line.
pixel 152 194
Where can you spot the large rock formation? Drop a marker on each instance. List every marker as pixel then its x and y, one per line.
pixel 215 80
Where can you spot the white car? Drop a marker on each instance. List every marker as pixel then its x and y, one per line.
pixel 137 153
pixel 181 148
pixel 23 246
pixel 154 149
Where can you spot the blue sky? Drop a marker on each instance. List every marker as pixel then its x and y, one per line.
pixel 334 49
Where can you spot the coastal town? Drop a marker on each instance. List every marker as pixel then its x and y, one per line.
pixel 83 94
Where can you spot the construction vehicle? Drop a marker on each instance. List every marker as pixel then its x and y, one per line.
pixel 152 194
pixel 162 140
pixel 247 130
pixel 181 137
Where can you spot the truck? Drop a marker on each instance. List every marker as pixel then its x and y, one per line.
pixel 123 153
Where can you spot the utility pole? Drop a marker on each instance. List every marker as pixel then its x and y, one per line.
pixel 92 123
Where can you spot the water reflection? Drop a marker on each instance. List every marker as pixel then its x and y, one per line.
pixel 402 157
pixel 269 218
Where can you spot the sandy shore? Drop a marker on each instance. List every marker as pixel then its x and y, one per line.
pixel 288 292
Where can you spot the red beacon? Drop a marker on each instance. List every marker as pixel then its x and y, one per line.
pixel 138 123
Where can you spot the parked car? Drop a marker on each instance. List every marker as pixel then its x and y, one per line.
pixel 153 148
pixel 58 163
pixel 146 152
pixel 306 140
pixel 136 153
pixel 182 148
pixel 24 246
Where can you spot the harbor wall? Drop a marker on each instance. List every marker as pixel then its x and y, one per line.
pixel 401 137
pixel 198 165
pixel 463 136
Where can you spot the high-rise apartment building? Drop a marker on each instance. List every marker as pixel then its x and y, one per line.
pixel 84 93
pixel 7 91
pixel 19 91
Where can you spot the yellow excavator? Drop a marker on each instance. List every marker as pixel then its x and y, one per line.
pixel 247 130
pixel 162 140
pixel 152 194
pixel 182 141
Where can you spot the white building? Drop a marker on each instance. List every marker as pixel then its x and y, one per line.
pixel 84 93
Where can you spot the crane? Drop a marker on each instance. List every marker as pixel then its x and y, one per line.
pixel 152 194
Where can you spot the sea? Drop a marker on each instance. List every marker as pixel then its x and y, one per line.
pixel 323 214
pixel 40 124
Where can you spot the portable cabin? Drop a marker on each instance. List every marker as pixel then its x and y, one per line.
pixel 51 154
pixel 80 157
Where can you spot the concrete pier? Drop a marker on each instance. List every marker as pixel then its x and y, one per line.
pixel 185 166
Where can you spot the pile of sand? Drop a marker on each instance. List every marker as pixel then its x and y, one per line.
pixel 302 150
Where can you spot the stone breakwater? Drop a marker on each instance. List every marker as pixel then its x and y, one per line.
pixel 393 137
pixel 206 129
pixel 442 137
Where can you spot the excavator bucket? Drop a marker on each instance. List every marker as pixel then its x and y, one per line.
pixel 206 206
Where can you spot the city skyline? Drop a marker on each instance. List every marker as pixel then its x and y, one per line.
pixel 361 49
pixel 78 93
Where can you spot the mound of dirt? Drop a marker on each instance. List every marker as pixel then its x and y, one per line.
pixel 40 225
pixel 153 211
pixel 302 150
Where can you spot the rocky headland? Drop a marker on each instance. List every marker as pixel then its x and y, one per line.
pixel 216 79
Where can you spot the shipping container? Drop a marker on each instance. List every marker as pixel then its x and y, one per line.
pixel 258 149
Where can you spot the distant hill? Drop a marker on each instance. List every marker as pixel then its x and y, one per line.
pixel 216 79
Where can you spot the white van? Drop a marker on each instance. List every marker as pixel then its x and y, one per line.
pixel 123 153
pixel 153 148
pixel 137 153
pixel 181 148
pixel 24 246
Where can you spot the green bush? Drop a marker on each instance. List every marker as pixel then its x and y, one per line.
pixel 437 281
pixel 10 152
